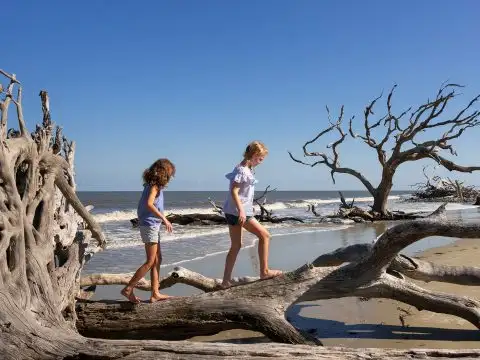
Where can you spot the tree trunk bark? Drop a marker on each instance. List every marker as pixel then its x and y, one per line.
pixel 383 191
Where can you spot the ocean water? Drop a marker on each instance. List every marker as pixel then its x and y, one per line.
pixel 113 210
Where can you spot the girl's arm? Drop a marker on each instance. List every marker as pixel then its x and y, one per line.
pixel 241 212
pixel 150 205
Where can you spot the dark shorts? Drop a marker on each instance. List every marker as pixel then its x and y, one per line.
pixel 233 219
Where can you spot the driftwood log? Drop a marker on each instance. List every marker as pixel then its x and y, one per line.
pixel 44 233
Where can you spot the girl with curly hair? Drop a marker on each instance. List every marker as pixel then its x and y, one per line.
pixel 150 217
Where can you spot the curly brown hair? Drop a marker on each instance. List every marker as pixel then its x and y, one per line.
pixel 159 173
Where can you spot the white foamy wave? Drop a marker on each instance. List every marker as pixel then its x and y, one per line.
pixel 129 238
pixel 183 211
pixel 350 199
pixel 458 206
pixel 430 206
pixel 115 216
pixel 126 215
pixel 304 203
pixel 276 206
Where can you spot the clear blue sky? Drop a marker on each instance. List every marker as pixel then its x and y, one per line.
pixel 195 81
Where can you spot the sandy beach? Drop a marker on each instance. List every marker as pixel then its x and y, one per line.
pixel 376 323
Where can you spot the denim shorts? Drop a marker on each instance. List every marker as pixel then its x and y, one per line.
pixel 150 234
pixel 233 219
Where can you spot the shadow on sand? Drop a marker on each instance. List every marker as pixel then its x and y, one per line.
pixel 325 329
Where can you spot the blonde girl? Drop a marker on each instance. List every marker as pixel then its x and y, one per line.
pixel 238 210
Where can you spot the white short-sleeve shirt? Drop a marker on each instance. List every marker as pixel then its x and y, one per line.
pixel 244 177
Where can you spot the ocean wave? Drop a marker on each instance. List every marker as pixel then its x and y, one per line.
pixel 131 237
pixel 414 207
pixel 126 215
pixel 292 208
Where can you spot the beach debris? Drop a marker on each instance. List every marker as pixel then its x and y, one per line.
pixel 404 139
pixel 403 315
pixel 444 189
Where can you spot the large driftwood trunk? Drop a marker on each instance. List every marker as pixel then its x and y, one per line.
pixel 44 231
pixel 42 248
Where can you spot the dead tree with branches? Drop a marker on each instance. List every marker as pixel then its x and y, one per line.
pixel 402 136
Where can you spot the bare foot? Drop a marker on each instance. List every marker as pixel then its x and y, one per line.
pixel 130 296
pixel 225 284
pixel 159 297
pixel 270 274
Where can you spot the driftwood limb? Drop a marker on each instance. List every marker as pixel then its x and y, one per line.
pixel 411 267
pixel 179 275
pixel 216 208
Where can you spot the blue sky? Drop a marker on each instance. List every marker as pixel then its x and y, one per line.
pixel 195 81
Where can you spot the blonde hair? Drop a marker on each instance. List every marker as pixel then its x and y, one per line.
pixel 255 148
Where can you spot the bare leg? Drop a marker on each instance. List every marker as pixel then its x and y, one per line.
pixel 263 235
pixel 236 239
pixel 155 278
pixel 151 251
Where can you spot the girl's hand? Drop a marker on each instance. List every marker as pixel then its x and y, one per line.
pixel 241 217
pixel 168 225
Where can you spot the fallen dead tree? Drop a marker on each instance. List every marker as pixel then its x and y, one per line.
pixel 43 249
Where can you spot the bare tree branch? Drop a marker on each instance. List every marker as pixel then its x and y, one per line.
pixel 425 117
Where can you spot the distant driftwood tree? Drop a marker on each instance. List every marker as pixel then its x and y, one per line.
pixel 403 136
pixel 44 230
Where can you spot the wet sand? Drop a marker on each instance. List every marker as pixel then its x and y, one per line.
pixel 385 323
